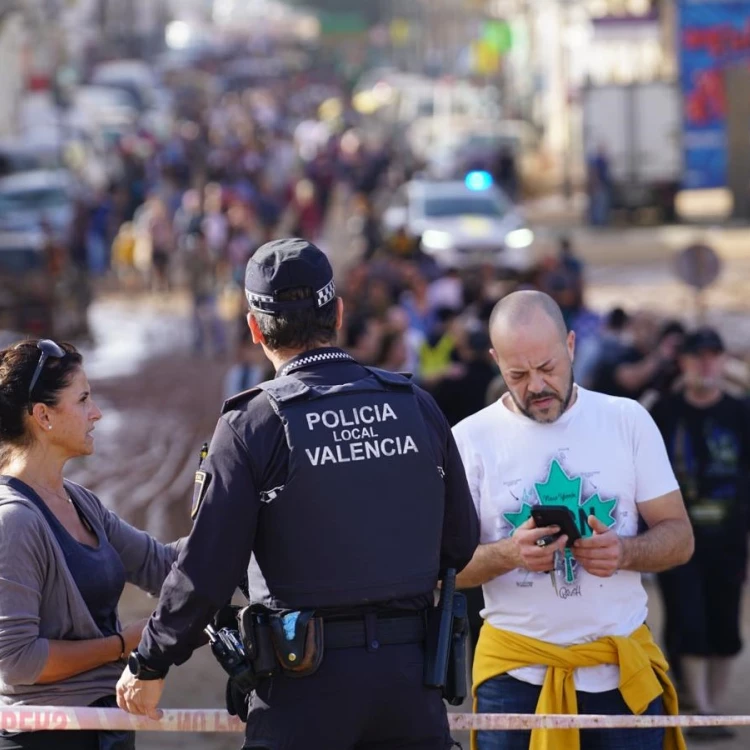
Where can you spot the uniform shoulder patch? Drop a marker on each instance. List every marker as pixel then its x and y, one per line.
pixel 239 399
pixel 202 480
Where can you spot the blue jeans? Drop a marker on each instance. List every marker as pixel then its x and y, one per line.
pixel 506 695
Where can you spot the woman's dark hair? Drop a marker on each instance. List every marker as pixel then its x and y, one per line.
pixel 17 365
pixel 298 329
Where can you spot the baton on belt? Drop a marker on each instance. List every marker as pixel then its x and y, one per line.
pixel 439 634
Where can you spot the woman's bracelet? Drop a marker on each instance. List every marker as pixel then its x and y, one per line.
pixel 122 644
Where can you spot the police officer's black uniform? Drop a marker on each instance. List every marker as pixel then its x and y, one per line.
pixel 347 486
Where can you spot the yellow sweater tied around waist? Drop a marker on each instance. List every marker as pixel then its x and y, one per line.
pixel 643 677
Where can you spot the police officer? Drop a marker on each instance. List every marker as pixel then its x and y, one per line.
pixel 346 485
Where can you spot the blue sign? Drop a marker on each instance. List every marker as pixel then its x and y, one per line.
pixel 713 35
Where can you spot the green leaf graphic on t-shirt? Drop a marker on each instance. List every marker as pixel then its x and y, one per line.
pixel 560 489
pixel 523 515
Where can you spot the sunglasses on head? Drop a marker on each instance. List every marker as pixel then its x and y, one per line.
pixel 48 349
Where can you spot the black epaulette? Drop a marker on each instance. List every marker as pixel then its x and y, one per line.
pixel 241 398
pixel 390 378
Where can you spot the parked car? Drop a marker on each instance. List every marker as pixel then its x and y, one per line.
pixel 137 81
pixel 28 200
pixel 134 77
pixel 24 155
pixel 103 104
pixel 40 294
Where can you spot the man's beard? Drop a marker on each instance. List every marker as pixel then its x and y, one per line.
pixel 525 409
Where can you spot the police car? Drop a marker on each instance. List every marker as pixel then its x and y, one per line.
pixel 462 224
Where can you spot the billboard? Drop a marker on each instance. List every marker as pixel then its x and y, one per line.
pixel 712 36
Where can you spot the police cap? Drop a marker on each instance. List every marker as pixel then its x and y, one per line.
pixel 287 264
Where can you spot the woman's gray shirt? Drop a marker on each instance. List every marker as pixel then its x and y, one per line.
pixel 40 602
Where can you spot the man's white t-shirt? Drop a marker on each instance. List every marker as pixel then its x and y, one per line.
pixel 602 457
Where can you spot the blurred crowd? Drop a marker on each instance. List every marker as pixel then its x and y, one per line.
pixel 188 211
pixel 404 314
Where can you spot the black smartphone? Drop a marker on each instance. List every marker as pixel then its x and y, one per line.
pixel 557 515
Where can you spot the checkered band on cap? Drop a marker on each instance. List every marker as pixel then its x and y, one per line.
pixel 326 294
pixel 256 300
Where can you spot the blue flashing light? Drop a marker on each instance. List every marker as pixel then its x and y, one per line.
pixel 478 181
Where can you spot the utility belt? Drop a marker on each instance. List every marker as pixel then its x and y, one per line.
pixel 266 642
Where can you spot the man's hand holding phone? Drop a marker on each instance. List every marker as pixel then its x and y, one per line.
pixel 529 553
pixel 600 554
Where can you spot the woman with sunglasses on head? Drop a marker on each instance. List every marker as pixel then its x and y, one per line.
pixel 64 558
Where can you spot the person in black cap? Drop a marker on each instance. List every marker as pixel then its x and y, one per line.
pixel 346 485
pixel 707 433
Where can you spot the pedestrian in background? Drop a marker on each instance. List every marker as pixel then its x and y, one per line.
pixel 645 364
pixel 65 559
pixel 599 188
pixel 209 336
pixel 707 433
pixel 250 367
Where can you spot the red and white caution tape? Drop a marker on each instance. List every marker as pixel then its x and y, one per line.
pixel 46 718
pixel 495 722
pixel 41 718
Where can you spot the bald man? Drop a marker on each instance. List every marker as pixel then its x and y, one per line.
pixel 601 461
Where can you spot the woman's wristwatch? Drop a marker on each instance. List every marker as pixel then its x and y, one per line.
pixel 141 671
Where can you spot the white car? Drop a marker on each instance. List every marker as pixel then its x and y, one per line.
pixel 463 224
pixel 102 105
pixel 28 199
pixel 131 76
pixel 136 80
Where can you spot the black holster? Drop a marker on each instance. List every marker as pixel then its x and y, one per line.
pixel 255 630
pixel 227 647
pixel 456 684
pixel 445 647
pixel 439 626
pixel 244 648
pixel 236 700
